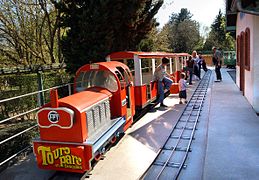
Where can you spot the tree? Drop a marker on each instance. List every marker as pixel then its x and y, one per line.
pixel 162 41
pixel 180 17
pixel 218 36
pixel 148 44
pixel 28 32
pixel 156 41
pixel 184 32
pixel 94 28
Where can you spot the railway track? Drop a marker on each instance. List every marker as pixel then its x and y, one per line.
pixel 58 175
pixel 171 158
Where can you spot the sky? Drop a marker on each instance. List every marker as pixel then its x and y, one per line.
pixel 204 11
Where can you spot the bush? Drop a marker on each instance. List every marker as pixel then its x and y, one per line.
pixel 18 143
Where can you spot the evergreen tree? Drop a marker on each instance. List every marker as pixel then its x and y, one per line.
pixel 95 28
pixel 184 32
pixel 180 17
pixel 218 36
pixel 162 41
pixel 219 27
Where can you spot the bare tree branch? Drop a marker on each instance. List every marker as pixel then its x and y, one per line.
pixel 29 29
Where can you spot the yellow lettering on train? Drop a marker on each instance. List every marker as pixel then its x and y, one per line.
pixel 44 151
pixel 70 159
pixel 63 154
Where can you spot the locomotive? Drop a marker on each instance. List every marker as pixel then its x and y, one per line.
pixel 75 130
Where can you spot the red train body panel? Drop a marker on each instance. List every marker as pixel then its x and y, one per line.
pixel 63 157
pixel 140 93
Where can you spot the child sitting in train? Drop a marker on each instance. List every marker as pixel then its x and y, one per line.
pixel 182 89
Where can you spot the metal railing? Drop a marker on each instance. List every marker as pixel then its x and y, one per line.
pixel 11 140
pixel 31 68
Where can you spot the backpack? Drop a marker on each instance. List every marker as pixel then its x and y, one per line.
pixel 190 63
pixel 214 60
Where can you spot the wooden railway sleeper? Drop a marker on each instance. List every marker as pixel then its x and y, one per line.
pixel 189 114
pixel 197 107
pixel 176 165
pixel 198 95
pixel 179 148
pixel 189 121
pixel 182 137
pixel 185 128
pixel 170 164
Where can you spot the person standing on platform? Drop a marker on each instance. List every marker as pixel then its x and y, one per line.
pixel 164 81
pixel 190 69
pixel 182 89
pixel 216 58
pixel 203 63
pixel 199 65
pixel 196 65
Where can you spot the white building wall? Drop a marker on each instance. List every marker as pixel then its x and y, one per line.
pixel 251 77
pixel 255 55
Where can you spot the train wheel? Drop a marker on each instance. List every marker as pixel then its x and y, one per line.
pixel 97 157
pixel 113 140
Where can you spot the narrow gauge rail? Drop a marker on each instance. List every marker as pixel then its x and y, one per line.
pixel 171 158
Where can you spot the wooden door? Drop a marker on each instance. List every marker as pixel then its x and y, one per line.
pixel 242 63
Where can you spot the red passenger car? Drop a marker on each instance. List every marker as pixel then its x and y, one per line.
pixel 143 65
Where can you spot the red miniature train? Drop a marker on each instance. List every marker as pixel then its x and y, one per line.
pixel 75 130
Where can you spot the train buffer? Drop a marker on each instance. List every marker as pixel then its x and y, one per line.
pixel 226 135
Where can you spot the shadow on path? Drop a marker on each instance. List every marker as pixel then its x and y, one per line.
pixel 232 74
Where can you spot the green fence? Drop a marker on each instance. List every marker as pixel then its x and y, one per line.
pixel 229 58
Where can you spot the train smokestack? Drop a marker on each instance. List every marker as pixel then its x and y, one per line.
pixel 54 98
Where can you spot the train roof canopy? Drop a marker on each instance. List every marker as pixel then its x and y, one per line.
pixel 142 55
pixel 111 66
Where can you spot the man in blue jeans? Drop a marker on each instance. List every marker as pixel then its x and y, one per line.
pixel 190 64
pixel 163 79
pixel 217 62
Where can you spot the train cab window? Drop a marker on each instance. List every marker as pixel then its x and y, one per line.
pixel 79 79
pixel 121 79
pixel 128 73
pixel 96 78
pixel 124 74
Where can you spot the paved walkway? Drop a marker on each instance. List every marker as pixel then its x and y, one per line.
pixel 233 134
pixel 226 144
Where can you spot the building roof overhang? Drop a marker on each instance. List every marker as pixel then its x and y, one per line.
pixel 235 6
pixel 231 18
